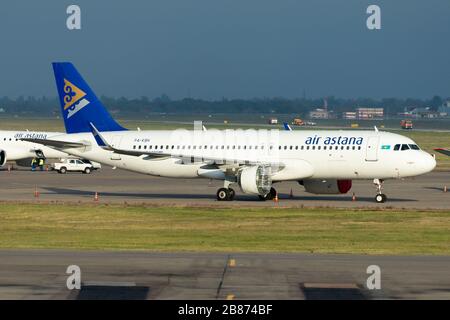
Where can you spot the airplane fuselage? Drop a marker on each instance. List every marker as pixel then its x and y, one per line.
pixel 303 154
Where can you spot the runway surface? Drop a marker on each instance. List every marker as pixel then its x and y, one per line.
pixel 118 186
pixel 41 274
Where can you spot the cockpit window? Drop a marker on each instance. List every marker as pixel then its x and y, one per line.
pixel 405 147
pixel 414 147
pixel 396 147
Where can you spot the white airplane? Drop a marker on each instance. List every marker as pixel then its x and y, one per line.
pixel 21 152
pixel 324 162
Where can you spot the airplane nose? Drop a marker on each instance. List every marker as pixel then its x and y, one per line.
pixel 429 162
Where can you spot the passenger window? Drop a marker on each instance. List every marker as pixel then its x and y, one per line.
pixel 307 148
pixel 405 147
pixel 318 147
pixel 303 147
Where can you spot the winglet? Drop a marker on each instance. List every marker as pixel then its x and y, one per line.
pixel 443 151
pixel 98 137
pixel 287 127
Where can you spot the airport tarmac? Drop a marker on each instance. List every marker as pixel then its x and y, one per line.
pixel 41 274
pixel 119 186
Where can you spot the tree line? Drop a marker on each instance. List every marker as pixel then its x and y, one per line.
pixel 137 107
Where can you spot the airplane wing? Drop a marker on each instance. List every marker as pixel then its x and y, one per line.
pixel 443 151
pixel 56 143
pixel 101 141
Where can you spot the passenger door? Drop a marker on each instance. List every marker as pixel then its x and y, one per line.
pixel 372 149
pixel 116 144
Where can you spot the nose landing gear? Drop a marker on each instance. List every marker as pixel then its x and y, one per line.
pixel 380 197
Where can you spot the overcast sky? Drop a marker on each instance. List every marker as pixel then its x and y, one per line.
pixel 230 48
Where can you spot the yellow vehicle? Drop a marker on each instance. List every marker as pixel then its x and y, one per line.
pixel 298 122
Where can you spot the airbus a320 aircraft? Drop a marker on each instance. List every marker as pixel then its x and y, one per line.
pixel 21 152
pixel 324 162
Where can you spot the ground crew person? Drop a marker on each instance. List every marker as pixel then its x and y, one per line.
pixel 33 164
pixel 41 164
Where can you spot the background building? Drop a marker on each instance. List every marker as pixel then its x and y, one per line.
pixel 369 113
pixel 319 114
pixel 349 115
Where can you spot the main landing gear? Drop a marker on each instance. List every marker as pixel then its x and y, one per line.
pixel 225 194
pixel 380 197
pixel 270 196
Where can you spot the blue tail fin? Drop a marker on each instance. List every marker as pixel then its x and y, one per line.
pixel 79 104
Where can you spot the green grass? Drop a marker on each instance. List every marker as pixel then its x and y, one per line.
pixel 114 227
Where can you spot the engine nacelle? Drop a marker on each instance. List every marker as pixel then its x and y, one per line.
pixel 326 186
pixel 256 180
pixel 2 158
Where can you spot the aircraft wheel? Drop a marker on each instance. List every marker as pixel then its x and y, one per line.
pixel 223 194
pixel 232 194
pixel 380 198
pixel 270 196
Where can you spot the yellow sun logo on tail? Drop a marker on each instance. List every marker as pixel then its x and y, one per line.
pixel 72 94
